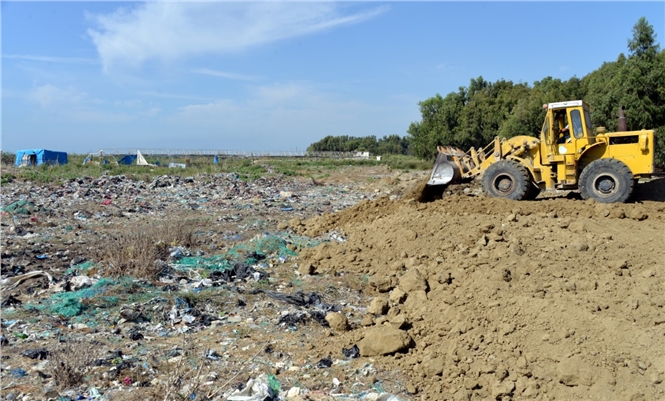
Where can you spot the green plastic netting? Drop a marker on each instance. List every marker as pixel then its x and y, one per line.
pixel 87 304
pixel 251 252
pixel 20 207
pixel 69 303
pixel 80 267
pixel 103 295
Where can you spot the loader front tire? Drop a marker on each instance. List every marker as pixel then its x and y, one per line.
pixel 507 179
pixel 533 191
pixel 606 181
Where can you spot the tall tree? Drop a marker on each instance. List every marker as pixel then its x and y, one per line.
pixel 643 43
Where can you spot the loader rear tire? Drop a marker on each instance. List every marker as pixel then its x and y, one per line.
pixel 507 179
pixel 606 181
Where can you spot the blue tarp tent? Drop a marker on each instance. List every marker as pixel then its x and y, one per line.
pixel 36 157
pixel 127 159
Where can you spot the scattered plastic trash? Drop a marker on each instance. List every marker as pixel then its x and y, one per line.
pixel 10 301
pixel 82 300
pixel 13 282
pixel 177 252
pixel 18 373
pixel 94 393
pixel 39 353
pixel 258 389
pixel 324 363
pixel 353 352
pixel 79 282
pixel 135 335
pixel 213 355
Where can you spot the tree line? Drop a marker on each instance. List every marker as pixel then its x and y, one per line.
pixel 475 114
pixel 391 144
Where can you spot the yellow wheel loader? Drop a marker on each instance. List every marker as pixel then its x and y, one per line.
pixel 568 155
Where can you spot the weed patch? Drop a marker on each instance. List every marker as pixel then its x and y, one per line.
pixel 70 363
pixel 133 252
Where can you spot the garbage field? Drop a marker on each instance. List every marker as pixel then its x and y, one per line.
pixel 353 287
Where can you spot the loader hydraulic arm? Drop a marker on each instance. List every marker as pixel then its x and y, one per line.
pixel 454 165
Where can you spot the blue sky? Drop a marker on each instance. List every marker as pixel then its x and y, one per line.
pixel 276 76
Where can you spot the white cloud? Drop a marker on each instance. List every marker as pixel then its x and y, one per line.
pixel 152 112
pixel 164 95
pixel 77 106
pixel 97 116
pixel 132 103
pixel 50 59
pixel 224 74
pixel 216 109
pixel 278 116
pixel 169 31
pixel 49 95
pixel 288 104
pixel 283 92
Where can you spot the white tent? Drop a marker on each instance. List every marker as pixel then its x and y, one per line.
pixel 140 160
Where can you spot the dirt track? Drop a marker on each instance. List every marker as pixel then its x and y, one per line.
pixel 552 299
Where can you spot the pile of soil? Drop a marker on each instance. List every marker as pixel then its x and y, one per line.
pixel 482 298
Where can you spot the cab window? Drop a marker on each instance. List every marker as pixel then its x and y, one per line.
pixel 546 130
pixel 587 120
pixel 578 131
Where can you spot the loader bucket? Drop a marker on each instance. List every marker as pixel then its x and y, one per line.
pixel 446 168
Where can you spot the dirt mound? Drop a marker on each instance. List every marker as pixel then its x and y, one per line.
pixel 551 299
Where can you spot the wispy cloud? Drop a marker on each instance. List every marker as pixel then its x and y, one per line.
pixel 268 103
pixel 164 95
pixel 152 112
pixel 78 106
pixel 275 116
pixel 225 74
pixel 215 109
pixel 169 31
pixel 50 59
pixel 50 95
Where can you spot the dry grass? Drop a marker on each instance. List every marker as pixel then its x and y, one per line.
pixel 70 363
pixel 180 380
pixel 133 252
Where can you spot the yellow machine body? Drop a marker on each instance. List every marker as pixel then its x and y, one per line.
pixel 557 160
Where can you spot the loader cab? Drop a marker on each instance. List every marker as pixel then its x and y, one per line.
pixel 567 128
pixel 565 133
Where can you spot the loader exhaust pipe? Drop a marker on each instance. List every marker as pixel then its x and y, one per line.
pixel 623 126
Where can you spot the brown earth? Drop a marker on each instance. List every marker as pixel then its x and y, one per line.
pixel 551 299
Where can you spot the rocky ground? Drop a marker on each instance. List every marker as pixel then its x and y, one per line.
pixel 349 288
